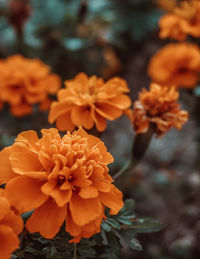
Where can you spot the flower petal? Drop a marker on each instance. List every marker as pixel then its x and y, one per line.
pixel 84 210
pixel 88 192
pixel 108 111
pixel 29 139
pixel 24 193
pixel 112 200
pixel 47 219
pixel 13 221
pixel 4 207
pixel 81 116
pixel 64 122
pixel 6 172
pixel 27 164
pixel 9 241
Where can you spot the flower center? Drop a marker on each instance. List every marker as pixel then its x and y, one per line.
pixel 61 180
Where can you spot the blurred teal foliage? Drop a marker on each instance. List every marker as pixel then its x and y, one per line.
pixel 79 35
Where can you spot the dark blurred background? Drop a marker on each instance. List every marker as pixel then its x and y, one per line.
pixel 109 38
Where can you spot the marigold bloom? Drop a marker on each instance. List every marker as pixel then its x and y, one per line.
pixel 89 100
pixel 159 107
pixel 171 26
pixel 10 226
pixel 183 21
pixel 25 82
pixel 62 179
pixel 176 64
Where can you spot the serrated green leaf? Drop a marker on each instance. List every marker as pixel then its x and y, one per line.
pixel 146 225
pixel 106 226
pixel 128 236
pixel 113 223
pixel 124 220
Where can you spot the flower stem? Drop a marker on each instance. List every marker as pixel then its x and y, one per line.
pixel 140 146
pixel 75 252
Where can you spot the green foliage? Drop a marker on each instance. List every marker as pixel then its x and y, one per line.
pixel 117 231
pixel 125 226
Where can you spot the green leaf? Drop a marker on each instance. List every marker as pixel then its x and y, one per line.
pixel 124 220
pixel 113 223
pixel 128 236
pixel 145 225
pixel 106 226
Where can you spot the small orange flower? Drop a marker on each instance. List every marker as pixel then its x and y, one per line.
pixel 10 226
pixel 25 82
pixel 159 107
pixel 182 21
pixel 171 26
pixel 89 100
pixel 62 179
pixel 176 64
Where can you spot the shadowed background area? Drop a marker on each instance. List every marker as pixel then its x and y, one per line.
pixel 114 38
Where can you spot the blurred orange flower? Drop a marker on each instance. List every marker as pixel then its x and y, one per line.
pixel 171 26
pixel 182 21
pixel 176 64
pixel 158 107
pixel 89 100
pixel 10 226
pixel 25 82
pixel 62 179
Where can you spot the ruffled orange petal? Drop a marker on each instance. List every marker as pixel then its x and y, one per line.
pixel 64 122
pixel 84 211
pixel 24 193
pixel 13 221
pixel 81 116
pixel 47 219
pixel 112 200
pixel 29 138
pixel 108 111
pixel 6 172
pixel 8 241
pixel 4 207
pixel 27 164
pixel 88 192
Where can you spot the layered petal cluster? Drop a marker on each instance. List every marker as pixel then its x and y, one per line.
pixel 10 227
pixel 158 107
pixel 176 64
pixel 61 179
pixel 25 82
pixel 89 100
pixel 182 21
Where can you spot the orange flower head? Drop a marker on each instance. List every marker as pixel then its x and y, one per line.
pixel 158 107
pixel 171 26
pixel 176 64
pixel 182 21
pixel 89 100
pixel 61 179
pixel 10 226
pixel 25 82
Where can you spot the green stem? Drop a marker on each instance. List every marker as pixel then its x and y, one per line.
pixel 140 146
pixel 75 251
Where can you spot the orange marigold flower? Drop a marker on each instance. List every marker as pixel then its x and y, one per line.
pixel 89 100
pixel 62 179
pixel 183 21
pixel 171 26
pixel 25 82
pixel 159 107
pixel 176 64
pixel 10 226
